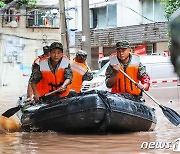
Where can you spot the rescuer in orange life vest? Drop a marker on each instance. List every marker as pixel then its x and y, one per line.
pixel 130 63
pixel 80 70
pixel 35 64
pixel 54 73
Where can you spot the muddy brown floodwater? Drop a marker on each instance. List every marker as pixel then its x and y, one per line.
pixel 53 142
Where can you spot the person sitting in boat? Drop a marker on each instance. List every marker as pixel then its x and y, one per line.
pixel 54 73
pixel 81 71
pixel 35 64
pixel 130 63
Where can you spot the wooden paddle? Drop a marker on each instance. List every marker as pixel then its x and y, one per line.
pixel 169 113
pixel 13 110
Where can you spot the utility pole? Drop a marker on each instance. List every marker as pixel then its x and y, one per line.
pixel 64 37
pixel 86 42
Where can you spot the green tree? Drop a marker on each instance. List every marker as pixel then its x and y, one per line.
pixel 27 3
pixel 170 6
pixel 2 4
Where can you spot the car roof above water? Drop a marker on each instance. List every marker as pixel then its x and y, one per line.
pixel 147 59
pixel 157 66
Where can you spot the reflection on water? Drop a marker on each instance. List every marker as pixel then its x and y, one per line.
pixel 47 142
pixel 52 142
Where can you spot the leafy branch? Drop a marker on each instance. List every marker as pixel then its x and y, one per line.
pixel 170 6
pixel 27 3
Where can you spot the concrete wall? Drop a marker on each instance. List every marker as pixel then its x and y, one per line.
pixel 125 14
pixel 31 38
pixel 161 46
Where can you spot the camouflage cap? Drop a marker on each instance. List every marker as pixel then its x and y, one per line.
pixel 56 45
pixel 46 49
pixel 81 55
pixel 122 44
pixel 81 52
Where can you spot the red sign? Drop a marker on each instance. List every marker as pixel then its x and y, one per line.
pixel 168 52
pixel 140 50
pixel 101 55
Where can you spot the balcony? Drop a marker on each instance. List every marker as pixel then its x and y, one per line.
pixel 42 18
pixel 11 18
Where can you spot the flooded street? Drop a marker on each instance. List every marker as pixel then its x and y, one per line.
pixel 53 142
pixel 61 42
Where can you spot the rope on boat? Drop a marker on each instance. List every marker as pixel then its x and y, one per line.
pixel 106 120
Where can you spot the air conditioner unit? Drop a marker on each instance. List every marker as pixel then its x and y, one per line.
pixel 13 24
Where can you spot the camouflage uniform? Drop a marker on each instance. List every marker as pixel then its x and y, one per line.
pixel 81 54
pixel 88 76
pixel 36 75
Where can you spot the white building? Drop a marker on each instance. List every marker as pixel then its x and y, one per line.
pixel 141 22
pixel 23 33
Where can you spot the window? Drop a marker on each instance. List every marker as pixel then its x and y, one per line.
pixel 43 18
pixel 111 15
pixel 10 18
pixel 149 49
pixel 153 10
pixel 104 17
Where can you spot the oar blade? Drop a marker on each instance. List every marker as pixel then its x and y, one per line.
pixel 11 111
pixel 171 115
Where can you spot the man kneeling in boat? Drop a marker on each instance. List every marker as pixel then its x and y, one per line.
pixel 129 63
pixel 81 71
pixel 54 73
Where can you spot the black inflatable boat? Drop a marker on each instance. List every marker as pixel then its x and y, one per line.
pixel 88 112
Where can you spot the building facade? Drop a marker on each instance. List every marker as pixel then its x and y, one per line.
pixel 23 33
pixel 141 22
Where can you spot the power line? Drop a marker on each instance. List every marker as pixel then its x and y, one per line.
pixel 7 15
pixel 142 16
pixel 28 38
pixel 136 12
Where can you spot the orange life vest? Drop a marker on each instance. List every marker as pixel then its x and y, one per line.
pixel 78 69
pixel 123 84
pixel 51 81
pixel 39 58
pixel 37 61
